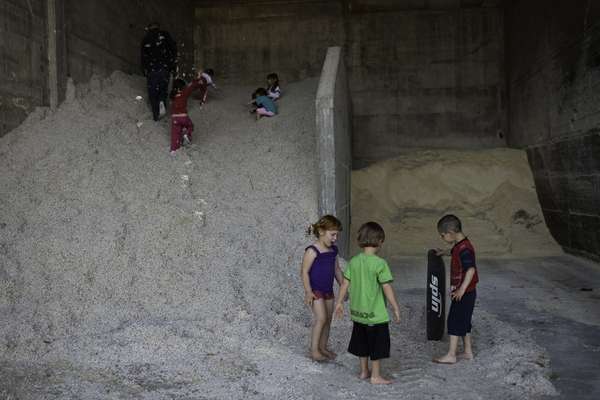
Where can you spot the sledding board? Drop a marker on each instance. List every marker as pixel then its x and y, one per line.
pixel 436 296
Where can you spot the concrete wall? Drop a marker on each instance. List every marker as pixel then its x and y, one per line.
pixel 553 59
pixel 92 37
pixel 334 137
pixel 103 36
pixel 23 67
pixel 425 73
pixel 243 41
pixel 421 73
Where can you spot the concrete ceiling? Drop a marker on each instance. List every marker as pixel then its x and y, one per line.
pixel 375 4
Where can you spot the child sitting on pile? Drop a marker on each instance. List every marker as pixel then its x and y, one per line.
pixel 265 106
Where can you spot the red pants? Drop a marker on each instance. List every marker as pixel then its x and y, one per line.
pixel 179 127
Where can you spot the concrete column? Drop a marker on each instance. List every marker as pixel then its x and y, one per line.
pixel 52 55
pixel 333 118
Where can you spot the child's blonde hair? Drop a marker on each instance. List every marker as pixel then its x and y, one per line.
pixel 325 223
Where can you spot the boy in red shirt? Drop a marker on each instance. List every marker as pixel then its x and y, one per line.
pixel 463 281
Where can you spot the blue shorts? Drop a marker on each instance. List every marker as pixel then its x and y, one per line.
pixel 461 312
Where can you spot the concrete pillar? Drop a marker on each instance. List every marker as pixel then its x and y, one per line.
pixel 334 138
pixel 52 55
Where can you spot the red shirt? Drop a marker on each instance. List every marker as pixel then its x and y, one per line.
pixel 462 258
pixel 179 102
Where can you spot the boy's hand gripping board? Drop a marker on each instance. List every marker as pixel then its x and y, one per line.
pixel 436 296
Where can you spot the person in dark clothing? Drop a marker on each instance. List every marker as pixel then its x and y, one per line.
pixel 159 60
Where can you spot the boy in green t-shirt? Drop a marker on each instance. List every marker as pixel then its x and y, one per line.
pixel 368 278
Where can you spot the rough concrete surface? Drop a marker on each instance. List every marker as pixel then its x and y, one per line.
pixel 88 37
pixel 554 112
pixel 130 274
pixel 334 139
pixel 421 73
pixel 23 59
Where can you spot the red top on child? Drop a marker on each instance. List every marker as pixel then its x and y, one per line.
pixel 179 100
pixel 463 258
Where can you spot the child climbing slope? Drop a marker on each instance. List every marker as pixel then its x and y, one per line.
pixel 181 124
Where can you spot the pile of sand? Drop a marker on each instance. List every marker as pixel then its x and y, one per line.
pixel 492 191
pixel 103 228
pixel 128 273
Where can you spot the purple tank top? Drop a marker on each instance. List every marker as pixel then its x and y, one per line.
pixel 322 271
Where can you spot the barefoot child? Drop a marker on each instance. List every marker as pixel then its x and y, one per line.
pixel 463 280
pixel 368 278
pixel 319 267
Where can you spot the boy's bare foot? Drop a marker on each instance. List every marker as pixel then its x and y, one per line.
pixel 447 359
pixel 379 380
pixel 364 375
pixel 318 357
pixel 329 354
pixel 464 356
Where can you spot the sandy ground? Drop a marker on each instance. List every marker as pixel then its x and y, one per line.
pixel 491 190
pixel 130 274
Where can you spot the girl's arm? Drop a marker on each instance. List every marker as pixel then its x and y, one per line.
pixel 391 298
pixel 307 261
pixel 339 307
pixel 338 272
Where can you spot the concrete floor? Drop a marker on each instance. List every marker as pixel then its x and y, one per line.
pixel 553 300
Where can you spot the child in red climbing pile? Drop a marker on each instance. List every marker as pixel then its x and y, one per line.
pixel 181 124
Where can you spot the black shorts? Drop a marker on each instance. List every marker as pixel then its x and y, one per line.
pixel 371 341
pixel 461 312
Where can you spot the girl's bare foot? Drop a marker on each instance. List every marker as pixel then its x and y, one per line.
pixel 364 375
pixel 318 357
pixel 447 359
pixel 464 356
pixel 329 354
pixel 379 380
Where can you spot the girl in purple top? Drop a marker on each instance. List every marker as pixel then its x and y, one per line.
pixel 319 266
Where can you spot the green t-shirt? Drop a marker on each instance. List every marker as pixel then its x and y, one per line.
pixel 366 274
